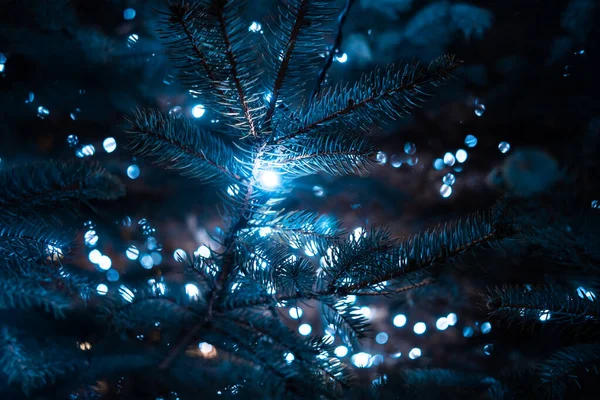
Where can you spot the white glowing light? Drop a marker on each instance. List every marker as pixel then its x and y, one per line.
pixel 102 289
pixel 132 252
pixel 442 324
pixel 341 351
pixel 192 291
pixel 545 315
pixel 461 155
pixel 289 357
pixel 90 238
pixel 362 360
pixel 452 319
pixel 295 312
pixel 109 144
pixel 179 255
pixel 420 328
pixel 266 231
pixel 399 320
pixel 95 256
pixel 305 329
pixel 269 179
pixel 198 111
pixel 365 311
pixel 88 150
pixel 342 59
pixel 255 27
pixel 205 348
pixel 202 251
pixel 133 171
pixel 414 353
pixel 105 263
pixel 126 293
pixel 233 190
pixel 357 234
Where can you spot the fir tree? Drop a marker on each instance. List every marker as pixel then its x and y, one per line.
pixel 218 332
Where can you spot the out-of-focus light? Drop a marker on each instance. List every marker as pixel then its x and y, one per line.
pixel 486 328
pixel 270 179
pixel 198 111
pixel 202 251
pixel 461 155
pixel 399 320
pixel 442 324
pixel 381 338
pixel 109 144
pixel 133 171
pixel 295 312
pixel 129 14
pixel 179 255
pixel 470 141
pixel 132 252
pixel 467 331
pixel 147 261
pixel 362 360
pixel 452 319
pixel 255 27
pixel 126 293
pixel 365 311
pixel 341 351
pixel 545 315
pixel 289 357
pixel 414 353
pixel 192 291
pixel 342 59
pixel 105 263
pixel 95 256
pixel 420 328
pixel 305 329
pixel 102 289
pixel 112 275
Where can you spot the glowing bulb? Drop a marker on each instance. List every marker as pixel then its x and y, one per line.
pixel 295 312
pixel 381 338
pixel 133 171
pixel 109 144
pixel 95 256
pixel 342 59
pixel 179 255
pixel 202 251
pixel 442 324
pixel 105 263
pixel 414 353
pixel 269 179
pixel 399 320
pixel 420 328
pixel 255 27
pixel 452 319
pixel 102 289
pixel 198 111
pixel 341 351
pixel 192 291
pixel 305 329
pixel 289 357
pixel 362 360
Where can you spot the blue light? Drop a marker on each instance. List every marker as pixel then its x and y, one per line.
pixel 420 328
pixel 129 14
pixel 381 338
pixel 198 111
pixel 342 59
pixel 133 171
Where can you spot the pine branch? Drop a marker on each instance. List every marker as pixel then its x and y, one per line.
pixel 177 143
pixel 30 188
pixel 27 243
pixel 389 94
pixel 348 320
pixel 227 62
pixel 531 304
pixel 294 52
pixel 330 153
pixel 375 258
pixel 336 47
pixel 29 368
pixel 21 293
pixel 566 365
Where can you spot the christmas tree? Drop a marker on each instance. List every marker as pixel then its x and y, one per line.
pixel 217 325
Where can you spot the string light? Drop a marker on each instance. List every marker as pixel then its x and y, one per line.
pixel 269 179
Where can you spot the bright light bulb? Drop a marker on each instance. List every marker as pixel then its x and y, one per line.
pixel 342 59
pixel 305 329
pixel 105 263
pixel 192 291
pixel 269 179
pixel 341 351
pixel 198 111
pixel 95 256
pixel 420 328
pixel 202 251
pixel 399 320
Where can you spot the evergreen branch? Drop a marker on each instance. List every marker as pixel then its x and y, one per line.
pixel 389 94
pixel 566 365
pixel 297 35
pixel 530 304
pixel 375 258
pixel 26 243
pixel 386 292
pixel 30 369
pixel 178 144
pixel 32 187
pixel 348 320
pixel 331 153
pixel 21 293
pixel 336 47
pixel 296 228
